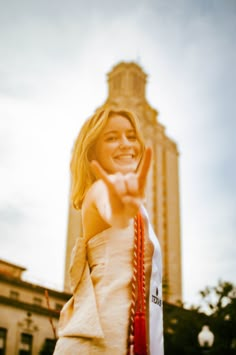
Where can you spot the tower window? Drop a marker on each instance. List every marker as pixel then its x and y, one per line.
pixel 14 295
pixel 25 347
pixel 48 346
pixel 38 301
pixel 3 337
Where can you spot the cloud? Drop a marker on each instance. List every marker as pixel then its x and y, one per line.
pixel 11 214
pixel 54 60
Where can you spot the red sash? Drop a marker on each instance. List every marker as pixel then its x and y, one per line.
pixel 138 306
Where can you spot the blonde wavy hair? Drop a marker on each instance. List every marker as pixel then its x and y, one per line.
pixel 82 176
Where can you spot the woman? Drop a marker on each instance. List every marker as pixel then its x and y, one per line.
pixel 109 171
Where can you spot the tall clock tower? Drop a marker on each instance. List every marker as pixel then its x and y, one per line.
pixel 127 84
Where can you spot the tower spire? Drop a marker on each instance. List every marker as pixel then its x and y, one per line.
pixel 126 82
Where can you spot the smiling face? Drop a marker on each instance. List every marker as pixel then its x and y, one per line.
pixel 118 148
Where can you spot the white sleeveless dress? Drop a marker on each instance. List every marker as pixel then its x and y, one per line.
pixel 96 319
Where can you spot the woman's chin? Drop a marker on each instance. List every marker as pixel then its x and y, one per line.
pixel 126 169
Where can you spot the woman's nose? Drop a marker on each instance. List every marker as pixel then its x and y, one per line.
pixel 124 142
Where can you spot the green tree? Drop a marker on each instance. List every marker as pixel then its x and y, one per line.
pixel 181 328
pixel 217 309
pixel 220 303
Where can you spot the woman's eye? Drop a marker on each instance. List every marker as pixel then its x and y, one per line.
pixel 111 139
pixel 132 137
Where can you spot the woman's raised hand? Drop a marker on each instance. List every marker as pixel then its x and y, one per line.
pixel 125 191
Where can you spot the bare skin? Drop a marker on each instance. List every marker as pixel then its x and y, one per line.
pixel 114 199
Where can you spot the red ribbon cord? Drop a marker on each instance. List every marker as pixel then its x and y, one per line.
pixel 140 338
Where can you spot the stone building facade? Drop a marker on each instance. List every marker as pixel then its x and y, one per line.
pixel 25 319
pixel 126 88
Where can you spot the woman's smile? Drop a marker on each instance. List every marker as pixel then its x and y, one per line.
pixel 125 157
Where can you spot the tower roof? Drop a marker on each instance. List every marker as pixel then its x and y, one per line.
pixel 126 81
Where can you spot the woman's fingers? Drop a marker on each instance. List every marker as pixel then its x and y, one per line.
pixel 115 183
pixel 98 171
pixel 144 167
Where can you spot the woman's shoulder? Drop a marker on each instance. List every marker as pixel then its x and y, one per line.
pixel 91 218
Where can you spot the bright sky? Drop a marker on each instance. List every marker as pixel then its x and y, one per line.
pixel 54 57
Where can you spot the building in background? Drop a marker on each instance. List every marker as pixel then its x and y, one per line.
pixel 25 327
pixel 127 85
